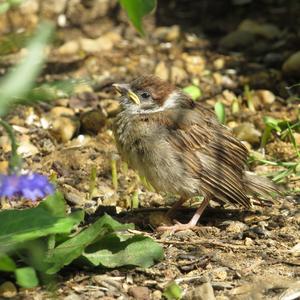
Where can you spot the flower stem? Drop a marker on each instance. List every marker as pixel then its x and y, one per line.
pixel 15 160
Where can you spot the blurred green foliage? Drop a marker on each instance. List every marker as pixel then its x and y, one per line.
pixel 136 10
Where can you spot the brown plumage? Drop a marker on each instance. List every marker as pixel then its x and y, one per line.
pixel 180 147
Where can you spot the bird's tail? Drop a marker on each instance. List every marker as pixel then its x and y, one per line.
pixel 261 186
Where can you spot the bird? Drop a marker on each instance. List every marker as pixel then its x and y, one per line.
pixel 180 147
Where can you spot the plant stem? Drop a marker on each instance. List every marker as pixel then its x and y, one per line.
pixel 15 160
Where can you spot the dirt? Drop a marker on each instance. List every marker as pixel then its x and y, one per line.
pixel 240 254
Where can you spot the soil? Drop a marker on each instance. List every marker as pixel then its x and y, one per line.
pixel 241 254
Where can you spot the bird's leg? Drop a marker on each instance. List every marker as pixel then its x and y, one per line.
pixel 175 206
pixel 192 223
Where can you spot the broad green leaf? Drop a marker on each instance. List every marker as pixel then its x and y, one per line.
pixel 173 291
pixel 49 217
pixel 193 91
pixel 111 252
pixel 7 264
pixel 220 112
pixel 19 81
pixel 26 277
pixel 66 252
pixel 136 10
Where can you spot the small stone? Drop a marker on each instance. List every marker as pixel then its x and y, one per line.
pixel 237 40
pixel 8 290
pixel 72 296
pixel 178 74
pixel 229 97
pixel 64 128
pixel 69 48
pixel 104 43
pixel 194 64
pixel 139 292
pixel 219 63
pixel 274 60
pixel 202 292
pixel 168 34
pixel 292 65
pixel 236 227
pixel 219 274
pixel 248 242
pixel 59 111
pixel 93 121
pixel 27 149
pixel 265 96
pixel 111 107
pixel 268 31
pixel 247 132
pixel 157 295
pixel 162 71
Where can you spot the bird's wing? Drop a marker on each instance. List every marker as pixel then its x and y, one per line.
pixel 209 151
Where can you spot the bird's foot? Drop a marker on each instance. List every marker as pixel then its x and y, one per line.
pixel 176 227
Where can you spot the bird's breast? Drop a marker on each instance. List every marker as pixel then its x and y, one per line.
pixel 145 148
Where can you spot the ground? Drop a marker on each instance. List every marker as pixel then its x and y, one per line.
pixel 241 254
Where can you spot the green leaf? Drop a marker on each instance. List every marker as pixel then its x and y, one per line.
pixel 49 217
pixel 71 249
pixel 112 252
pixel 220 112
pixel 19 81
pixel 26 277
pixel 136 10
pixel 7 264
pixel 4 7
pixel 272 123
pixel 173 291
pixel 193 91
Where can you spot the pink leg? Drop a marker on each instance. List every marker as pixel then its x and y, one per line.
pixel 191 224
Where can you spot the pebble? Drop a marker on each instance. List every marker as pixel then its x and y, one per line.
pixel 265 30
pixel 178 74
pixel 162 71
pixel 247 132
pixel 103 43
pixel 111 107
pixel 292 65
pixel 265 96
pixel 194 64
pixel 64 128
pixel 219 63
pixel 156 295
pixel 236 226
pixel 202 292
pixel 139 292
pixel 237 40
pixel 58 111
pixel 26 148
pixel 92 121
pixel 168 34
pixel 8 290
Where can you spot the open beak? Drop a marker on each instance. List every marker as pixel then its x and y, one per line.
pixel 124 89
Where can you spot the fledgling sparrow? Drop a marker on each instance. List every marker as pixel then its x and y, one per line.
pixel 180 148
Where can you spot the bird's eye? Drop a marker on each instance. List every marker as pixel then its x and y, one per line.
pixel 145 95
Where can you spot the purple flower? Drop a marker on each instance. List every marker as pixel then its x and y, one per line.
pixel 31 186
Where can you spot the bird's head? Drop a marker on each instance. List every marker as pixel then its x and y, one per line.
pixel 150 94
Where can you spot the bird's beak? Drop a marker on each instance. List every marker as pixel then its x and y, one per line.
pixel 124 89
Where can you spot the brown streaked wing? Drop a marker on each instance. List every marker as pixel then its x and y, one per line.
pixel 210 151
